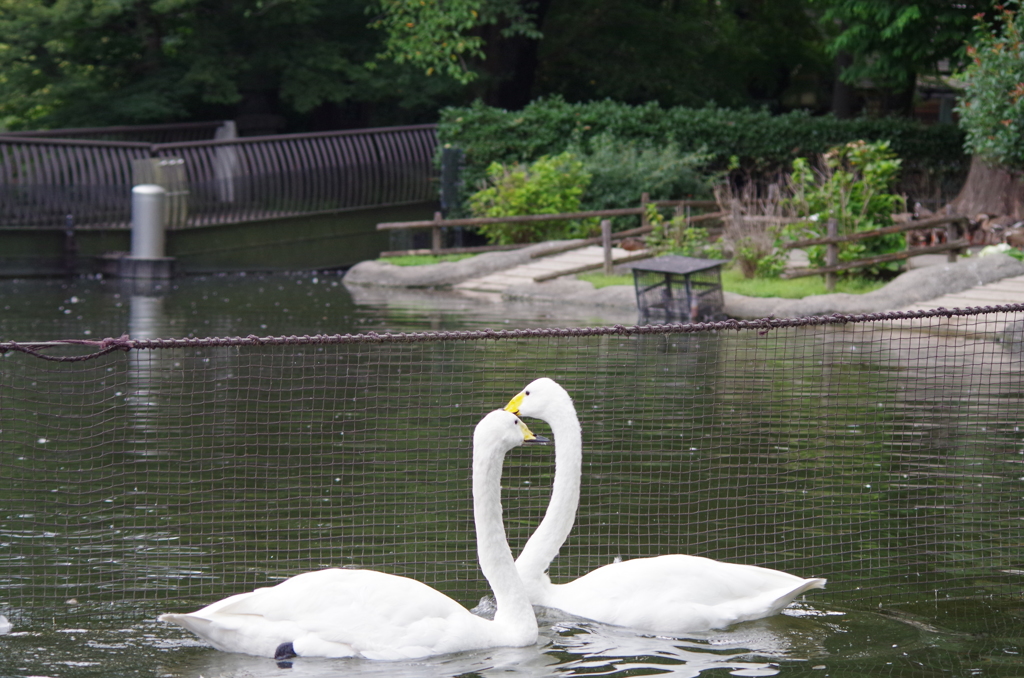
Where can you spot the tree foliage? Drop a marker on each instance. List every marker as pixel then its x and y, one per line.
pixel 686 52
pixel 92 62
pixel 442 38
pixel 892 41
pixel 992 107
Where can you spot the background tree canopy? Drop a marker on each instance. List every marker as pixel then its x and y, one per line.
pixel 95 62
pixel 292 65
pixel 891 42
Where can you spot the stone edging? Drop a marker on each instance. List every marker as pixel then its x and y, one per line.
pixel 911 287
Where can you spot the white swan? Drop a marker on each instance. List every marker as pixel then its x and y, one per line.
pixel 663 594
pixel 362 613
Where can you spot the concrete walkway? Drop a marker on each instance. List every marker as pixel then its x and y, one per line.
pixel 1005 291
pixel 524 274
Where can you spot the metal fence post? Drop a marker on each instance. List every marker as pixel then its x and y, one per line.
pixel 149 222
pixel 149 207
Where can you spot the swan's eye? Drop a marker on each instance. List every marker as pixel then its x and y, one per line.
pixel 526 393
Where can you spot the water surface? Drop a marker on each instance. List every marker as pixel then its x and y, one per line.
pixel 886 457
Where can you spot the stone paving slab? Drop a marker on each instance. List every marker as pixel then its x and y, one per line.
pixel 525 273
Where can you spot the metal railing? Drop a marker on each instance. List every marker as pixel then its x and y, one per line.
pixel 44 180
pixel 265 177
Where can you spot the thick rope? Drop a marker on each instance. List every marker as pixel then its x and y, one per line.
pixel 762 326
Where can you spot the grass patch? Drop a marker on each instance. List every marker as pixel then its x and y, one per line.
pixel 424 259
pixel 733 281
pixel 599 280
pixel 797 288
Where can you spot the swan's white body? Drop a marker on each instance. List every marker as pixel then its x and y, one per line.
pixel 664 594
pixel 362 613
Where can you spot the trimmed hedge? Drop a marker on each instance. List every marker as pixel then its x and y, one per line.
pixel 763 143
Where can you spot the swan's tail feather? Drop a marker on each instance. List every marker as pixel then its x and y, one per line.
pixel 196 625
pixel 782 601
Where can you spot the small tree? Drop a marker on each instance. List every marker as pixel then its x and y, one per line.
pixel 992 116
pixel 992 108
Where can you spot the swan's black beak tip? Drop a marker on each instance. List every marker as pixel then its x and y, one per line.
pixel 539 439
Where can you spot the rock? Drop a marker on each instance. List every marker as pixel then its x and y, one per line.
pixel 1012 336
pixel 919 284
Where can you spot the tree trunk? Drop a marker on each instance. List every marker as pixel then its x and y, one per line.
pixel 844 96
pixel 901 101
pixel 990 190
pixel 511 63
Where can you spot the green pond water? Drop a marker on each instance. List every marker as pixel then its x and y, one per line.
pixel 888 459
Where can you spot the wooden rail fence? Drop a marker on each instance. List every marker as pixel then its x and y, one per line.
pixel 438 223
pixel 954 245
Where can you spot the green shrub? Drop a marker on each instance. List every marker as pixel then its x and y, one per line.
pixel 992 108
pixel 622 169
pixel 551 184
pixel 854 188
pixel 760 142
pixel 674 236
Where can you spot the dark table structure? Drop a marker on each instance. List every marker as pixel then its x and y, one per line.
pixel 674 288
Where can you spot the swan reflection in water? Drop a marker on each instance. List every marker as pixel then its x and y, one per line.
pixel 572 647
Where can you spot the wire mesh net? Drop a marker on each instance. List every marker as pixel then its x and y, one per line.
pixel 885 455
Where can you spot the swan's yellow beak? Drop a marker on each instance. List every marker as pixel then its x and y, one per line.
pixel 513 405
pixel 529 436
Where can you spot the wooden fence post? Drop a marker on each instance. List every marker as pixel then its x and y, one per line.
pixel 606 241
pixel 735 215
pixel 951 236
pixel 831 255
pixel 435 234
pixel 644 199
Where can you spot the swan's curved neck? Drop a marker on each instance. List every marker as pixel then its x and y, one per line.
pixel 513 604
pixel 554 529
